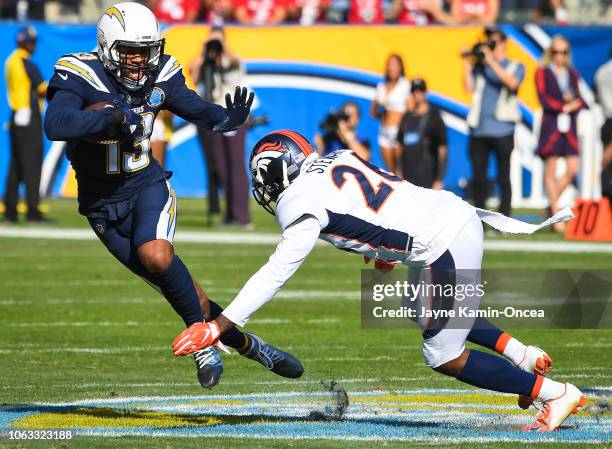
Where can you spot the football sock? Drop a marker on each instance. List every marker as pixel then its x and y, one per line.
pixel 548 389
pixel 177 287
pixel 510 347
pixel 232 337
pixel 495 373
pixel 486 334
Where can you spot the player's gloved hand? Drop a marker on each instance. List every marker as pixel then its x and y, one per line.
pixel 195 337
pixel 381 265
pixel 132 124
pixel 237 111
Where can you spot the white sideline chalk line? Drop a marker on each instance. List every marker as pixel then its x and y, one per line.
pixel 273 239
pixel 287 294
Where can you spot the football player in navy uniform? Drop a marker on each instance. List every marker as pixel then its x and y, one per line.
pixel 103 105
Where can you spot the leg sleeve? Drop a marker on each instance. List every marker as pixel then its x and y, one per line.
pixel 479 157
pixel 238 184
pixel 32 164
pixel 503 151
pixel 11 194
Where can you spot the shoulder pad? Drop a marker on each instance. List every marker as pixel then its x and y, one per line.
pixel 83 66
pixel 297 201
pixel 169 67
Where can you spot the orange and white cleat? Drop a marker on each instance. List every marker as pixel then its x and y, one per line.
pixel 535 361
pixel 555 411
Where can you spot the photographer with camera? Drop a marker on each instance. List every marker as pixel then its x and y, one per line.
pixel 493 80
pixel 339 131
pixel 216 72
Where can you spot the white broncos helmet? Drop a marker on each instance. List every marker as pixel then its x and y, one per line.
pixel 124 28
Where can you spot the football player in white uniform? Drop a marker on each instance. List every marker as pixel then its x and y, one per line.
pixel 360 208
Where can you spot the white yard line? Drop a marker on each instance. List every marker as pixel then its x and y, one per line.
pixel 107 323
pixel 272 239
pixel 225 382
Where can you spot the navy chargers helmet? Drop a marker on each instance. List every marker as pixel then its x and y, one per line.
pixel 275 162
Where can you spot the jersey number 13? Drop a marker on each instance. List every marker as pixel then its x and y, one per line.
pixel 116 161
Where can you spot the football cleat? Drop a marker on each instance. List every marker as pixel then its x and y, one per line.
pixel 535 361
pixel 275 360
pixel 555 411
pixel 209 365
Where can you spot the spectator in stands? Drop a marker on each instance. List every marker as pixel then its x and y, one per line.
pixel 216 12
pixel 260 12
pixel 548 9
pixel 532 11
pixel 493 80
pixel 603 84
pixel 161 136
pixel 340 130
pixel 389 105
pixel 471 12
pixel 366 11
pixel 308 12
pixel 217 72
pixel 22 10
pixel 422 134
pixel 25 90
pixel 413 12
pixel 557 86
pixel 175 11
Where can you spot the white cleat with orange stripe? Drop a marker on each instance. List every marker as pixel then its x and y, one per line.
pixel 555 411
pixel 535 361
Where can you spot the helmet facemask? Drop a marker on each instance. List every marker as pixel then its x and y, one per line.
pixel 134 76
pixel 265 190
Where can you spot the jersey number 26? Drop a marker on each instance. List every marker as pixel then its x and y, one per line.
pixel 374 198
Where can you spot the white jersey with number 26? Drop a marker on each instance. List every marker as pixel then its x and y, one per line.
pixel 360 208
pixel 364 209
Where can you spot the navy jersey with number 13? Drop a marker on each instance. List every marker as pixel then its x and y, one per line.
pixel 113 172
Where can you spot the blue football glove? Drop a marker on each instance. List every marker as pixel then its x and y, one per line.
pixel 132 124
pixel 237 111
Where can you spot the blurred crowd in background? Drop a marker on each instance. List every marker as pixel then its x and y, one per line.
pixel 310 12
pixel 412 136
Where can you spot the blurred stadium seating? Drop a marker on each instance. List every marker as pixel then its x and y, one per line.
pixel 303 11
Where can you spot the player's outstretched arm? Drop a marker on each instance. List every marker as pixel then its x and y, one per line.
pixel 236 111
pixel 188 105
pixel 297 242
pixel 64 119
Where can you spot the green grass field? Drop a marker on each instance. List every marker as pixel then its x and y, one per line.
pixel 77 326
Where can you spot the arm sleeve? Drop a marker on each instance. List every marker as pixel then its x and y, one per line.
pixel 188 105
pixel 297 242
pixel 17 83
pixel 439 129
pixel 576 87
pixel 36 78
pixel 64 119
pixel 519 76
pixel 548 103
